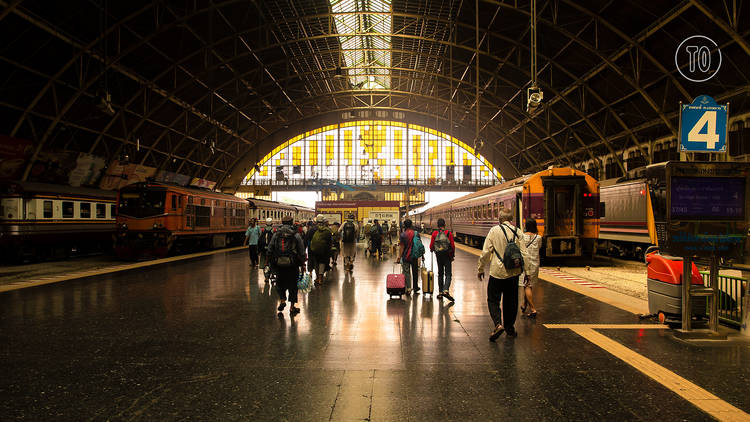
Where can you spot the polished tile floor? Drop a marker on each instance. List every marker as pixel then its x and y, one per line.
pixel 201 340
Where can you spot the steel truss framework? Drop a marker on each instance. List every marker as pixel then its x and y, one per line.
pixel 200 87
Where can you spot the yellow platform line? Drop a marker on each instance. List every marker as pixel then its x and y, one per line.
pixel 694 394
pixel 108 270
pixel 609 326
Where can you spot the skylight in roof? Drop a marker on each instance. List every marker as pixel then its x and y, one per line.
pixel 367 57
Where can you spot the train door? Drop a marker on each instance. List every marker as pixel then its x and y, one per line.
pixel 563 214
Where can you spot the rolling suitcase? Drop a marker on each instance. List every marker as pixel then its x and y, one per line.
pixel 395 284
pixel 428 278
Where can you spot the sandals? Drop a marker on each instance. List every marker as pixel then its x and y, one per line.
pixel 281 306
pixel 523 308
pixel 293 310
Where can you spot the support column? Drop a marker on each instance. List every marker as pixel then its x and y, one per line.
pixel 687 275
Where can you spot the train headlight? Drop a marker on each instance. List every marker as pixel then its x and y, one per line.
pixel 156 226
pixel 124 226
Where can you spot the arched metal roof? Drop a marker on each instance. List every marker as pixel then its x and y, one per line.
pixel 201 87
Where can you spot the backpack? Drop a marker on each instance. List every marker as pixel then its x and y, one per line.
pixel 349 232
pixel 266 236
pixel 394 229
pixel 512 258
pixel 417 248
pixel 321 241
pixel 285 252
pixel 442 243
pixel 375 233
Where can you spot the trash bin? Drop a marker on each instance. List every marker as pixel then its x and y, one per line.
pixel 665 288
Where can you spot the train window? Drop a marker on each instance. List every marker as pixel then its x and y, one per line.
pixel 174 202
pixel 85 210
pixel 67 209
pixel 602 208
pixel 203 201
pixel 47 209
pixel 101 211
pixel 190 199
pixel 111 210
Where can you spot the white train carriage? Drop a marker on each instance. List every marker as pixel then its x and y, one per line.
pixel 52 221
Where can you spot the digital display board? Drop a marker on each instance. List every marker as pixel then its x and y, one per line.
pixel 708 198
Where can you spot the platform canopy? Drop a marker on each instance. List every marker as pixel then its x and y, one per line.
pixel 205 89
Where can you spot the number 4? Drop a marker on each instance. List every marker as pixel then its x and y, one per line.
pixel 711 138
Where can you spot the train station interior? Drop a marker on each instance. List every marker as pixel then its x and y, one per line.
pixel 170 171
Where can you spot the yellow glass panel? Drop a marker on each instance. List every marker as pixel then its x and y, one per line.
pixel 297 156
pixel 348 146
pixel 433 151
pixel 416 150
pixel 313 153
pixel 398 145
pixel 329 149
pixel 264 171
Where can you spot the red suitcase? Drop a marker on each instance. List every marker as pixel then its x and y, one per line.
pixel 395 285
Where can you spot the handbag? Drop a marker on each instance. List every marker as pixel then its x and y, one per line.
pixel 304 282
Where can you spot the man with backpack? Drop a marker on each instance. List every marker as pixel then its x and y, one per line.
pixel 376 239
pixel 266 234
pixel 287 254
pixel 505 250
pixel 410 250
pixel 444 248
pixel 336 245
pixel 349 235
pixel 320 248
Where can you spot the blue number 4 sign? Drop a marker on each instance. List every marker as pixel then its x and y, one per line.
pixel 703 126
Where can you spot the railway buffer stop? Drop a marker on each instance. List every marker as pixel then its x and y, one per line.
pixel 701 212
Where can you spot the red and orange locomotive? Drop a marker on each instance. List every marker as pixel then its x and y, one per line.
pixel 155 218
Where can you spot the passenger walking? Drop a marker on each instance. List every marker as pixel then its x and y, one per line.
pixel 349 235
pixel 444 248
pixel 368 243
pixel 408 257
pixel 311 228
pixel 336 245
pixel 533 244
pixel 384 226
pixel 376 239
pixel 393 232
pixel 287 254
pixel 320 248
pixel 266 233
pixel 252 235
pixel 505 250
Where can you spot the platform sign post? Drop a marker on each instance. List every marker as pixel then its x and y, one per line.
pixel 703 125
pixel 707 213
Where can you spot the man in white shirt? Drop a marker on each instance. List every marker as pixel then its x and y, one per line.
pixel 503 281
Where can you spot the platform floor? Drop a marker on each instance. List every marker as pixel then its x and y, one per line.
pixel 201 340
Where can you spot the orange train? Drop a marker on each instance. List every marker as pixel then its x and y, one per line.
pixel 563 201
pixel 155 218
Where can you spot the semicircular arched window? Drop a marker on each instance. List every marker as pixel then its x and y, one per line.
pixel 373 152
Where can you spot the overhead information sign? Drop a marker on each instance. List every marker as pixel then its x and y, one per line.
pixel 703 126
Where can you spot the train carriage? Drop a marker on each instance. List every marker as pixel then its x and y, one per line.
pixel 39 220
pixel 563 201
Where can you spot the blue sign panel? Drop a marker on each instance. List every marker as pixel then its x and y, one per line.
pixel 703 126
